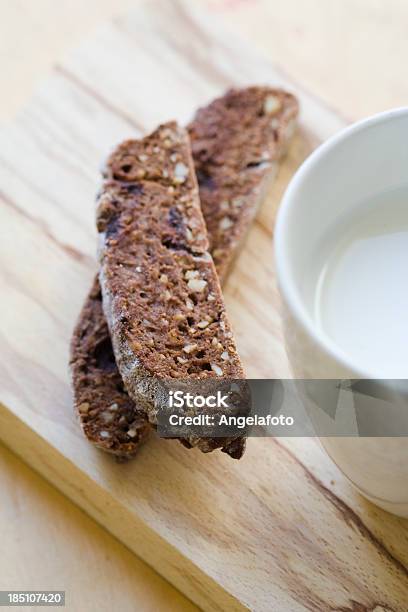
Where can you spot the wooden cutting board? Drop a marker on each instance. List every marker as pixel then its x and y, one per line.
pixel 281 529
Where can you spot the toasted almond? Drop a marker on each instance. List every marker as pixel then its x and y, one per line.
pixel 189 348
pixel 238 202
pixel 272 105
pixel 180 172
pixel 225 223
pixel 216 368
pixel 197 286
pixel 84 407
pixel 191 274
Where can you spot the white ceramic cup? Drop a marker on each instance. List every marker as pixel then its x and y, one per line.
pixel 361 161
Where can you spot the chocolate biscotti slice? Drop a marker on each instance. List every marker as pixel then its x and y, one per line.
pixel 107 415
pixel 237 142
pixel 88 381
pixel 161 293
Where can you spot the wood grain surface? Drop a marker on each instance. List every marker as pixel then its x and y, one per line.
pixel 278 530
pixel 70 551
pixel 349 52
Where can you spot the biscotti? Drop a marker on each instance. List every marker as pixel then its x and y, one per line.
pixel 237 141
pixel 108 416
pixel 161 294
pixel 208 130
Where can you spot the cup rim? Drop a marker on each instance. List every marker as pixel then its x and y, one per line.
pixel 286 283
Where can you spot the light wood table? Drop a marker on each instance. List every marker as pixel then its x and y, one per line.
pixel 48 543
pixel 350 53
